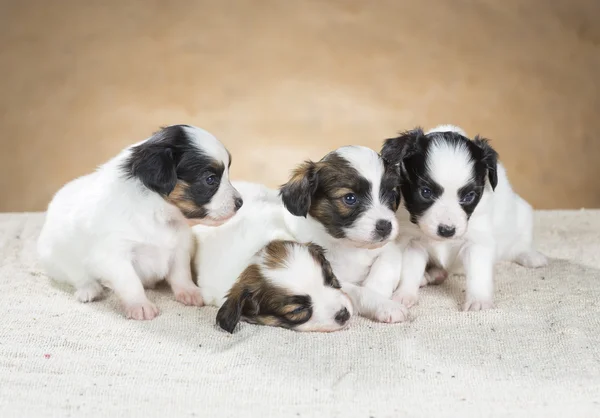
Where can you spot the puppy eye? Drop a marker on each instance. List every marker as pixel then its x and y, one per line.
pixel 211 180
pixel 350 199
pixel 298 310
pixel 426 193
pixel 468 198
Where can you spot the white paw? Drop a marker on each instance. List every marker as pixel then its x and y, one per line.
pixel 141 310
pixel 477 305
pixel 532 259
pixel 89 292
pixel 407 299
pixel 391 312
pixel 190 296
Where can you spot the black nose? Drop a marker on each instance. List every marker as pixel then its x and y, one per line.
pixel 239 202
pixel 446 231
pixel 383 228
pixel 342 316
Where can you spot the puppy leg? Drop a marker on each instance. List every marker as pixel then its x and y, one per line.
pixel 384 275
pixel 119 275
pixel 89 291
pixel 372 305
pixel 414 261
pixel 531 259
pixel 180 280
pixel 478 261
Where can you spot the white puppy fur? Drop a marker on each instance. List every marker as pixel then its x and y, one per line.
pixel 125 225
pixel 234 274
pixel 346 204
pixel 459 212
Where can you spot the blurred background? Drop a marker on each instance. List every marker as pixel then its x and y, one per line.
pixel 282 81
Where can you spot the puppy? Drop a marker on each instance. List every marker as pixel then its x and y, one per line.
pixel 459 211
pixel 253 271
pixel 125 226
pixel 346 203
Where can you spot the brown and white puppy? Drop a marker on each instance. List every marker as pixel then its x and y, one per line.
pixel 251 268
pixel 125 226
pixel 346 203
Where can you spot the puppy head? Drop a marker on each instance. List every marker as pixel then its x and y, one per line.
pixel 350 192
pixel 443 177
pixel 189 168
pixel 289 285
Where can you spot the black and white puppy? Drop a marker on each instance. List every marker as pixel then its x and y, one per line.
pixel 125 226
pixel 346 203
pixel 459 211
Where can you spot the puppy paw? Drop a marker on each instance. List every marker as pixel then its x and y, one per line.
pixel 89 292
pixel 436 276
pixel 532 259
pixel 190 296
pixel 405 298
pixel 477 305
pixel 391 312
pixel 141 310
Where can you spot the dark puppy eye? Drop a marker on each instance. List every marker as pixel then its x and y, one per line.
pixel 468 198
pixel 298 310
pixel 350 199
pixel 426 193
pixel 211 180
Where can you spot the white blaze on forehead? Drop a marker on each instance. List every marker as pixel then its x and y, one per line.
pixel 301 275
pixel 207 142
pixel 367 162
pixel 449 165
pixel 448 128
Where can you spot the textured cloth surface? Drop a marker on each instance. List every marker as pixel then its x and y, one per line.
pixel 536 354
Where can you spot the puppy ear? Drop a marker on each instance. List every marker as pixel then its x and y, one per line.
pixel 489 158
pixel 318 253
pixel 230 312
pixel 395 150
pixel 152 162
pixel 297 193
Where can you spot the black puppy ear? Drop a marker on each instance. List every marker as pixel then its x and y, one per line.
pixel 152 162
pixel 489 158
pixel 230 313
pixel 318 254
pixel 394 150
pixel 297 193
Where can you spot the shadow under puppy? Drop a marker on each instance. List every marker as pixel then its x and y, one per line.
pixel 252 270
pixel 459 212
pixel 346 203
pixel 125 226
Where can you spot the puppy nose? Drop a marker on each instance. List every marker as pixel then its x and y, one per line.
pixel 238 203
pixel 383 228
pixel 342 316
pixel 446 231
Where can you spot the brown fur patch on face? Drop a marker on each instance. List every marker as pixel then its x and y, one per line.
pixel 275 254
pixel 180 197
pixel 255 299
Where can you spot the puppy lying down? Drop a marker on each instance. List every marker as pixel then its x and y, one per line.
pixel 251 269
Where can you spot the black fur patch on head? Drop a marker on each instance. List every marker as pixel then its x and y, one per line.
pixel 318 254
pixel 409 154
pixel 171 165
pixel 319 189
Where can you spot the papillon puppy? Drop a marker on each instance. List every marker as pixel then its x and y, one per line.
pixel 459 212
pixel 346 203
pixel 253 270
pixel 125 226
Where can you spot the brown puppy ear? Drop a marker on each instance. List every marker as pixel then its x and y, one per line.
pixel 297 193
pixel 318 253
pixel 395 150
pixel 240 300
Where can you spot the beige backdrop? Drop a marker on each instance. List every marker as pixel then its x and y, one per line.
pixel 281 81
